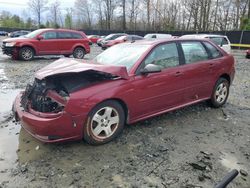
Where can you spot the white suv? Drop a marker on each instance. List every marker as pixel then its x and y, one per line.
pixel 220 40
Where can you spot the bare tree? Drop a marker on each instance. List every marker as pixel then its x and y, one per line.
pixel 84 10
pixel 38 7
pixel 55 12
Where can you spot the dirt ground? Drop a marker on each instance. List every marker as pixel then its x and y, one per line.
pixel 192 147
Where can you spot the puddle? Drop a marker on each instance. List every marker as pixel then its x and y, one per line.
pixel 16 145
pixel 6 99
pixel 230 162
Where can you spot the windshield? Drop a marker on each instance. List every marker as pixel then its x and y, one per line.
pixel 33 34
pixel 122 55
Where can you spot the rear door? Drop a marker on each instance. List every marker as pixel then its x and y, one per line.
pixel 197 71
pixel 157 92
pixel 49 44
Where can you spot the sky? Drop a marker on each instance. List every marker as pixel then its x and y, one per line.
pixel 19 6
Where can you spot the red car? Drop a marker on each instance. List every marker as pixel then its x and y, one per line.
pixel 130 82
pixel 94 38
pixel 121 40
pixel 248 53
pixel 47 42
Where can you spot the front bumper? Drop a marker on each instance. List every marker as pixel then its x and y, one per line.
pixel 47 127
pixel 9 50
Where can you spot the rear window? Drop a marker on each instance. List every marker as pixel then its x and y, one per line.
pixel 194 52
pixel 64 35
pixel 76 36
pixel 215 53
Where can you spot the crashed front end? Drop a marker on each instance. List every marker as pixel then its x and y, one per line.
pixel 45 108
pixel 40 108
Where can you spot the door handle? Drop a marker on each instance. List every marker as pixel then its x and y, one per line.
pixel 178 73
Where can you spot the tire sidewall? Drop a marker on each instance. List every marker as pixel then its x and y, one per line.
pixel 89 137
pixel 78 48
pixel 20 53
pixel 213 97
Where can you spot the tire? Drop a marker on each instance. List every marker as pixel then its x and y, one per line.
pixel 26 53
pixel 248 56
pixel 79 53
pixel 98 129
pixel 220 93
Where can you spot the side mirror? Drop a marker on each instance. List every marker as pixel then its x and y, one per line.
pixel 150 68
pixel 40 37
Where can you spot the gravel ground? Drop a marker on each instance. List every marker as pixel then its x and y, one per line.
pixel 192 147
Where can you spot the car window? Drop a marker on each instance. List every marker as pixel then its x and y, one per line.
pixel 165 55
pixel 215 53
pixel 224 41
pixel 216 40
pixel 194 52
pixel 76 36
pixel 122 55
pixel 137 38
pixel 49 35
pixel 64 35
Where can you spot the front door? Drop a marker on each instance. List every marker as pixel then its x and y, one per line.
pixel 48 45
pixel 157 92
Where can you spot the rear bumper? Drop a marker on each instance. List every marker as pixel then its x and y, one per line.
pixel 57 128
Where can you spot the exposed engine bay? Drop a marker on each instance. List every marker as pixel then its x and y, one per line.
pixel 51 93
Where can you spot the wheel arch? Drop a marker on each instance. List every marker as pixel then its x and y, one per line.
pixel 30 46
pixel 78 46
pixel 227 77
pixel 122 103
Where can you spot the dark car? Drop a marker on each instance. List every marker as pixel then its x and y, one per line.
pixel 3 33
pixel 110 37
pixel 47 42
pixel 18 33
pixel 126 38
pixel 130 82
pixel 248 53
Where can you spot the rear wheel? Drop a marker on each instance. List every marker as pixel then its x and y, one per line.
pixel 220 93
pixel 26 53
pixel 105 122
pixel 79 53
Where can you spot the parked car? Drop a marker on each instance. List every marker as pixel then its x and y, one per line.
pixel 121 40
pixel 18 33
pixel 157 36
pixel 47 42
pixel 98 42
pixel 110 37
pixel 220 40
pixel 3 33
pixel 130 82
pixel 248 53
pixel 94 38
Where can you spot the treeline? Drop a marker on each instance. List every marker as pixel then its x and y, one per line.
pixel 133 15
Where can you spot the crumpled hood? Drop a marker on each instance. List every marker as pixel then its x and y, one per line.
pixel 66 65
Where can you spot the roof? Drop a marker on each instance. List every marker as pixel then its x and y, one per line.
pixel 159 41
pixel 201 36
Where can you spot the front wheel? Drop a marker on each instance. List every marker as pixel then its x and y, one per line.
pixel 79 53
pixel 220 93
pixel 26 53
pixel 105 122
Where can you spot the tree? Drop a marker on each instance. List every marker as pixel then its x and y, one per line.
pixel 69 18
pixel 38 7
pixel 55 13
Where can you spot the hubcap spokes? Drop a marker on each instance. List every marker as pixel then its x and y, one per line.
pixel 221 93
pixel 105 122
pixel 79 54
pixel 27 54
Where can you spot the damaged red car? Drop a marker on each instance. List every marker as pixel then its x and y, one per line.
pixel 130 82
